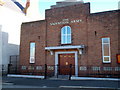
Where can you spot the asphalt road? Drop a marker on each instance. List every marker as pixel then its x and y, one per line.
pixel 38 84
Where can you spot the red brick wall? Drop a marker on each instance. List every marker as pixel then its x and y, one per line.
pixel 118 31
pixel 79 34
pixel 73 11
pixel 88 32
pixel 33 32
pixel 105 25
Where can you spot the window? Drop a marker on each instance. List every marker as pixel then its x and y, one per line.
pixel 66 35
pixel 32 52
pixel 106 50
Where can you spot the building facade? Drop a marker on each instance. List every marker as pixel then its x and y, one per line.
pixel 72 37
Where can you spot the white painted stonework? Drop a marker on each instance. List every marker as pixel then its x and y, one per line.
pixel 25 76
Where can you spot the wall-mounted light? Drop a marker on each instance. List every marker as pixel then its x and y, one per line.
pixel 51 52
pixel 80 51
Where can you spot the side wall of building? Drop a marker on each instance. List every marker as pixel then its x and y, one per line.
pixel 100 25
pixel 5 56
pixel 33 32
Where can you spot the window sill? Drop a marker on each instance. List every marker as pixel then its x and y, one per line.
pixel 31 63
pixel 66 44
pixel 106 62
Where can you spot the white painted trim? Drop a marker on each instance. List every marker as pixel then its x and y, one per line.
pixel 103 51
pixel 76 60
pixel 32 50
pixel 65 47
pixel 25 76
pixel 92 78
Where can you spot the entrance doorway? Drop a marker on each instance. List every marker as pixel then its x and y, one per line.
pixel 65 60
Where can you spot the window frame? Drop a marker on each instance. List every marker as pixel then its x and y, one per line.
pixel 66 35
pixel 30 61
pixel 103 51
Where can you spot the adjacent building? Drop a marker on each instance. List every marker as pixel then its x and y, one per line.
pixel 9 33
pixel 12 14
pixel 71 39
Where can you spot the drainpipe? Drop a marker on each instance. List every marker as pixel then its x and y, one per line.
pixel 46 43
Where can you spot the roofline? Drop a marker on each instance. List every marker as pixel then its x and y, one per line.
pixel 97 13
pixel 104 12
pixel 66 6
pixel 33 21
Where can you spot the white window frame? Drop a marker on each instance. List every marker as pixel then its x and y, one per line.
pixel 66 35
pixel 32 57
pixel 103 50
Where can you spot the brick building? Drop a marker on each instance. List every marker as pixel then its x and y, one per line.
pixel 71 36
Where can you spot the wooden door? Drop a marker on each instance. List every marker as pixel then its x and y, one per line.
pixel 64 64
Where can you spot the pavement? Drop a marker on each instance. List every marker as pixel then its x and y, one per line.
pixel 10 83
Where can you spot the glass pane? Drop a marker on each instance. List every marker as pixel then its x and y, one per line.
pixel 68 30
pixel 32 45
pixel 32 52
pixel 32 49
pixel 106 59
pixel 63 39
pixel 66 35
pixel 69 39
pixel 106 49
pixel 105 40
pixel 63 30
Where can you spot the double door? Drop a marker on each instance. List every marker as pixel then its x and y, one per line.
pixel 65 60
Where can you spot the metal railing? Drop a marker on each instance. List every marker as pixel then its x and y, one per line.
pixel 55 70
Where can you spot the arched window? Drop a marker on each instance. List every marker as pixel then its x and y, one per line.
pixel 66 35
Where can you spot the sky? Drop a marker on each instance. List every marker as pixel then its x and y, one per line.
pixel 37 8
pixel 96 5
